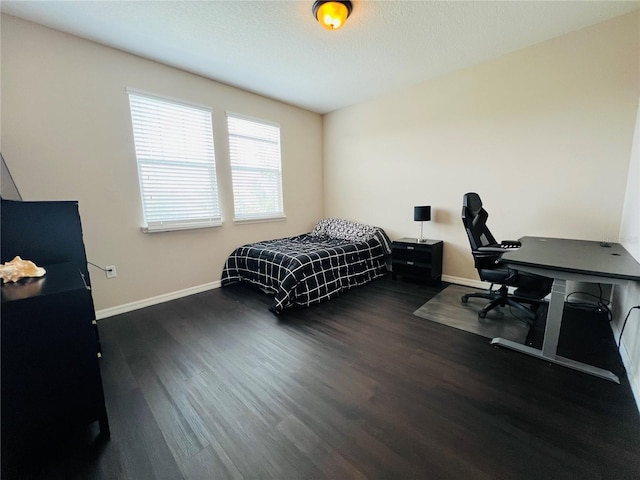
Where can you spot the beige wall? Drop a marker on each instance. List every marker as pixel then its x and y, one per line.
pixel 66 134
pixel 543 135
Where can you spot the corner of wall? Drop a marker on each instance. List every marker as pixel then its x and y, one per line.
pixel 629 295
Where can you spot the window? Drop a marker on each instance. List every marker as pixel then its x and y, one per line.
pixel 176 163
pixel 254 149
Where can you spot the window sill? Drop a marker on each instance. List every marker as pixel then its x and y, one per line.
pixel 175 227
pixel 261 220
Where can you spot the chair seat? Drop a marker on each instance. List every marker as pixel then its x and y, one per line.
pixel 528 285
pixel 530 294
pixel 497 275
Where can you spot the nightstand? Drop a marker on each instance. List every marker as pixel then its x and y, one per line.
pixel 418 260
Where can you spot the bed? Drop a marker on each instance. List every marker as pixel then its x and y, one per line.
pixel 313 267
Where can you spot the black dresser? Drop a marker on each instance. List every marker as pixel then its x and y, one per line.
pixel 51 383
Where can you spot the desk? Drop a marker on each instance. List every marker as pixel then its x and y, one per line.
pixel 562 260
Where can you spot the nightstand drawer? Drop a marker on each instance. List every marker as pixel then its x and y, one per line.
pixel 409 252
pixel 411 263
pixel 418 270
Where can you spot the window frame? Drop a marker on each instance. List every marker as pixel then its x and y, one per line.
pixel 181 164
pixel 267 216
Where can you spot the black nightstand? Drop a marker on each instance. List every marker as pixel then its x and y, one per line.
pixel 418 260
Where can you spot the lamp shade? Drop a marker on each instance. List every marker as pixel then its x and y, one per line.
pixel 422 214
pixel 332 14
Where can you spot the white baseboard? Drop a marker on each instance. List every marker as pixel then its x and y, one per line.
pixel 147 302
pixel 634 381
pixel 467 282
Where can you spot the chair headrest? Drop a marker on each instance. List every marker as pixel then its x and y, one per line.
pixel 472 202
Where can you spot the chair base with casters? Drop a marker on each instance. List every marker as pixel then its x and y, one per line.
pixel 501 298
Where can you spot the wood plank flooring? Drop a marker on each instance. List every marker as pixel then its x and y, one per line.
pixel 214 386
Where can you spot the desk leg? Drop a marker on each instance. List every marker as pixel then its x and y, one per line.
pixel 554 318
pixel 551 335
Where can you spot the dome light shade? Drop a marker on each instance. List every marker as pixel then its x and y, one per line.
pixel 331 14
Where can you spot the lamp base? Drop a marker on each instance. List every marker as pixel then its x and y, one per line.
pixel 421 239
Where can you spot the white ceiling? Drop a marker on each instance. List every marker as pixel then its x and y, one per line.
pixel 277 49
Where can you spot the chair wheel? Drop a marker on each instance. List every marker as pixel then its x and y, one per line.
pixel 482 314
pixel 464 299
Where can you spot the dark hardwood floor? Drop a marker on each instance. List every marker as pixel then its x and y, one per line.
pixel 215 386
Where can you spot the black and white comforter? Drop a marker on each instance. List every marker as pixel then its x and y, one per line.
pixel 314 267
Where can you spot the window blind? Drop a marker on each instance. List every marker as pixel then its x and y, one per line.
pixel 176 163
pixel 254 149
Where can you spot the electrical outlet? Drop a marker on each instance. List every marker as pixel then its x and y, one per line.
pixel 110 271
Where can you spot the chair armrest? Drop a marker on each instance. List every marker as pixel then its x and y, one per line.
pixel 491 249
pixel 510 244
pixel 500 247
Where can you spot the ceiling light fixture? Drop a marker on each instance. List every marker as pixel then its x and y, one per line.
pixel 331 14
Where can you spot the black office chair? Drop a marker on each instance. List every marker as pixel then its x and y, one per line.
pixel 530 289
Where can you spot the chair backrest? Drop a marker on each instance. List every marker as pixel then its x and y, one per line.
pixel 474 218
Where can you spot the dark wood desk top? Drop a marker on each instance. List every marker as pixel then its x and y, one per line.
pixel 576 256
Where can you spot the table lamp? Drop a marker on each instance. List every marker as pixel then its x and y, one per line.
pixel 422 214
